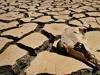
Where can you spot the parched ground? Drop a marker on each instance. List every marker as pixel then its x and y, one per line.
pixel 21 22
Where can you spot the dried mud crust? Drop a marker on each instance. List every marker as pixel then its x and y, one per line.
pixel 20 20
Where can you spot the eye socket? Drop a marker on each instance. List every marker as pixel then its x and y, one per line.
pixel 75 32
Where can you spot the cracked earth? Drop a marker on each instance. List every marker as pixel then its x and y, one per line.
pixel 26 25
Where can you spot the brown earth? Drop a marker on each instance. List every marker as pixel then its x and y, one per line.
pixel 21 21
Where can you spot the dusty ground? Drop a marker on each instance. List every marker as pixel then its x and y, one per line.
pixel 22 20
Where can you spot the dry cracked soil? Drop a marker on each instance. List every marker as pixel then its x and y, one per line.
pixel 27 25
